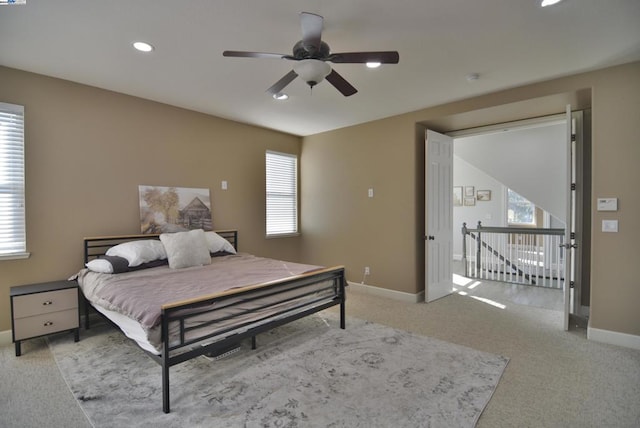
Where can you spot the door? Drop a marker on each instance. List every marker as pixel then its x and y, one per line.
pixel 439 215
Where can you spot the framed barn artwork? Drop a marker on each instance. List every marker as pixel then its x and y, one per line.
pixel 174 209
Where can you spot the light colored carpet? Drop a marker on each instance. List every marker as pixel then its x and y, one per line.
pixel 305 374
pixel 32 392
pixel 554 379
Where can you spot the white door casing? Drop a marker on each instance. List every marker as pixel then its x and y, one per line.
pixel 438 215
pixel 567 269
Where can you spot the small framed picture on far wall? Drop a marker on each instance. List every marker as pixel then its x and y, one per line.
pixel 469 202
pixel 484 195
pixel 457 196
pixel 469 191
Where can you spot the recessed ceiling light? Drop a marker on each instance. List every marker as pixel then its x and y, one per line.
pixel 472 77
pixel 280 96
pixel 373 64
pixel 143 46
pixel 549 2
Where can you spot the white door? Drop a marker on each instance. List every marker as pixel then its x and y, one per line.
pixel 439 215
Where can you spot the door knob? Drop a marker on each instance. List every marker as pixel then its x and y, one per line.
pixel 431 238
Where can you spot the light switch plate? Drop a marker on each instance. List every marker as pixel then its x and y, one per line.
pixel 607 204
pixel 609 225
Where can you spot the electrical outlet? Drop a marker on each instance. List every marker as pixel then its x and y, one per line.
pixel 367 271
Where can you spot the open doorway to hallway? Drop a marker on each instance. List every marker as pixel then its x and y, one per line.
pixel 491 164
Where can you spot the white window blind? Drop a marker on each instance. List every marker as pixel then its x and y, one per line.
pixel 282 193
pixel 12 217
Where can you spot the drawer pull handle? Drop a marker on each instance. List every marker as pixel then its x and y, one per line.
pixel 48 302
pixel 48 323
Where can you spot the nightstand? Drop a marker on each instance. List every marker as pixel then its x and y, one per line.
pixel 45 308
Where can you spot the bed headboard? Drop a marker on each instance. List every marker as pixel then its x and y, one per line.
pixel 98 245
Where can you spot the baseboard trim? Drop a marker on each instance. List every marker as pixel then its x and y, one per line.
pixel 613 338
pixel 391 294
pixel 5 337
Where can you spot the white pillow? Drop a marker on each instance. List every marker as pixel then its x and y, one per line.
pixel 217 243
pixel 186 249
pixel 138 252
pixel 100 266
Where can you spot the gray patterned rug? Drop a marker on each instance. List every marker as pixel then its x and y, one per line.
pixel 306 374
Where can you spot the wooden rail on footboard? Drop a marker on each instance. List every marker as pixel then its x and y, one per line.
pixel 256 309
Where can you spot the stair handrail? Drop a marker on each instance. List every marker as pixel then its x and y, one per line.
pixel 490 229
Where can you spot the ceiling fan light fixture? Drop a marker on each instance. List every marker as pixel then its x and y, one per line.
pixel 280 96
pixel 374 64
pixel 312 71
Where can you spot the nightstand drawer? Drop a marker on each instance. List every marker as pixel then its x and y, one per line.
pixel 44 303
pixel 39 325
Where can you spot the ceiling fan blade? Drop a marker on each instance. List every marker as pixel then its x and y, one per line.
pixel 311 29
pixel 280 84
pixel 243 54
pixel 384 57
pixel 340 83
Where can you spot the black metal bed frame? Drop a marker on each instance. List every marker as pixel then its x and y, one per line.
pixel 221 339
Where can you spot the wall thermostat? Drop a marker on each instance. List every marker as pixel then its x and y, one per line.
pixel 607 204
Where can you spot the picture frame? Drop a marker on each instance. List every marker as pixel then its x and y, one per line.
pixel 483 195
pixel 174 209
pixel 469 201
pixel 457 196
pixel 469 191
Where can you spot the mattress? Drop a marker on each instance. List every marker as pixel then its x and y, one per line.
pixel 133 300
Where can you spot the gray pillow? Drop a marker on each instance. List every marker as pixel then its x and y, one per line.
pixel 186 249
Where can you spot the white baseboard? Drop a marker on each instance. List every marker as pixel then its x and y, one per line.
pixel 613 338
pixel 391 294
pixel 5 337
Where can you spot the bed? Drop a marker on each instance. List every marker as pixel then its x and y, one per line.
pixel 176 310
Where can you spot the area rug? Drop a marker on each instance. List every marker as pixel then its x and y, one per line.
pixel 309 373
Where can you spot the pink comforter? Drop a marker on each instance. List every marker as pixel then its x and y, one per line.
pixel 141 294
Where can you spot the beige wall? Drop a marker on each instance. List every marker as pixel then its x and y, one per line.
pixel 87 150
pixel 340 224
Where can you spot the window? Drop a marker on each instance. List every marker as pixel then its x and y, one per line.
pixel 282 194
pixel 520 210
pixel 13 242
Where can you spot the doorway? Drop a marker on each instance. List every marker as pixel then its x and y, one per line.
pixel 536 165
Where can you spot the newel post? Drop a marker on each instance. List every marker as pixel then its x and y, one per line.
pixel 478 249
pixel 464 248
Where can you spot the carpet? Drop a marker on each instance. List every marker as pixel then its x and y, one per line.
pixel 309 373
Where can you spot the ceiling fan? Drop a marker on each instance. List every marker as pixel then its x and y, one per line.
pixel 312 55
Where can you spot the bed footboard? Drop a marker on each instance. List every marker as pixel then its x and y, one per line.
pixel 277 303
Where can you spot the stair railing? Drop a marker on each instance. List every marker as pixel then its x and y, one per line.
pixel 519 255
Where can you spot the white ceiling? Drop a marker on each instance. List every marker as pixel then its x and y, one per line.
pixel 507 42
